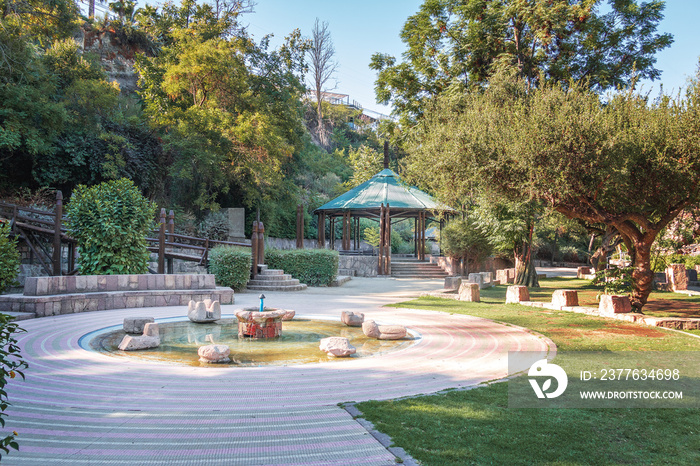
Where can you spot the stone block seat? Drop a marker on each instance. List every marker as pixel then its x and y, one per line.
pixel 48 296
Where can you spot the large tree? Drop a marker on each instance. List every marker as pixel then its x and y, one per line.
pixel 457 44
pixel 323 66
pixel 626 163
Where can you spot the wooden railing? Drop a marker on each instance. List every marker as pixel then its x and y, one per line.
pixel 44 233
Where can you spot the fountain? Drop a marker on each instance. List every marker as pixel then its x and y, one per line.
pixel 261 323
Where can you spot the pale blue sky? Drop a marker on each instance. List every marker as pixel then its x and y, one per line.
pixel 360 28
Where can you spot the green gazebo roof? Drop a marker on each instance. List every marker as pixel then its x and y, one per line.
pixel 384 188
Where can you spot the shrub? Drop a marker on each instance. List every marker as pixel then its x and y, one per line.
pixel 662 261
pixel 615 281
pixel 9 258
pixel 110 222
pixel 231 266
pixel 314 267
pixel 11 365
pixel 463 239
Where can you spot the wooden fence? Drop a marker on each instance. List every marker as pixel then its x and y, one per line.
pixel 45 235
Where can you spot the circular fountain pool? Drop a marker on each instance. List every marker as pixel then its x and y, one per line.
pixel 298 344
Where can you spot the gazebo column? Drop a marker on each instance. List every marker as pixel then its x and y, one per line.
pixel 321 230
pixel 332 233
pixel 387 242
pixel 346 231
pixel 380 260
pixel 415 237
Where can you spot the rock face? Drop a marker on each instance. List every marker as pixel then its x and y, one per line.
pixel 517 293
pixel 149 339
pixel 383 332
pixel 351 319
pixel 614 304
pixel 677 276
pixel 452 283
pixel 204 311
pixel 214 354
pixel 337 346
pixel 469 292
pixel 564 298
pixel 136 324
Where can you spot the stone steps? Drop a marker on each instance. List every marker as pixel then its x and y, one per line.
pixel 417 269
pixel 274 280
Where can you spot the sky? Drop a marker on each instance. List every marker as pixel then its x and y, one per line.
pixel 360 28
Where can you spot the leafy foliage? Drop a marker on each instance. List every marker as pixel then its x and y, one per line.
pixel 463 239
pixel 615 281
pixel 110 222
pixel 11 365
pixel 629 164
pixel 9 258
pixel 315 267
pixel 231 266
pixel 455 45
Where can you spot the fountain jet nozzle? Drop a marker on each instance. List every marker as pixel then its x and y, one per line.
pixel 262 297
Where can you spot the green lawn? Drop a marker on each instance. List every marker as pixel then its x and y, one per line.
pixel 476 427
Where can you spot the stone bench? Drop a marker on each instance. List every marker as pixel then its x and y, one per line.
pixel 47 296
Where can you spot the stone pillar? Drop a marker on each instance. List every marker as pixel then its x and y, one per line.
pixel 469 292
pixel 614 304
pixel 677 277
pixel 516 294
pixel 564 298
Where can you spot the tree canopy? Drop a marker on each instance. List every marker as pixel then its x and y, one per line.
pixel 627 162
pixel 454 45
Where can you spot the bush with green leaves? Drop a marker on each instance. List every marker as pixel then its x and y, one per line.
pixel 11 365
pixel 110 222
pixel 464 239
pixel 231 266
pixel 315 267
pixel 614 281
pixel 9 258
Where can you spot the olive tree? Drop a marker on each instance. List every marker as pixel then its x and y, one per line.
pixel 626 162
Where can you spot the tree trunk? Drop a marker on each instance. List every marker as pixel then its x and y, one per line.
pixel 643 275
pixel 525 272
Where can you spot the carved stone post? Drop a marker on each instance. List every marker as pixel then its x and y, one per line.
pixel 254 250
pixel 261 243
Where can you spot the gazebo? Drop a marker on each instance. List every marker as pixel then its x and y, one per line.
pixel 383 198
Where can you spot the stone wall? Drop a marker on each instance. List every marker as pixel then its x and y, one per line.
pixel 364 266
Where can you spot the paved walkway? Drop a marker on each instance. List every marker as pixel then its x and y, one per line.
pixel 78 407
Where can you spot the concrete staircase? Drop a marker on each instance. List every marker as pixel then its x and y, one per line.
pixel 274 280
pixel 413 268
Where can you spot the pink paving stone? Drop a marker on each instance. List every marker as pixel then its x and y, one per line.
pixel 614 304
pixel 517 293
pixel 564 298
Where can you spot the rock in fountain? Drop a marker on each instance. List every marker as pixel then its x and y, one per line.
pixel 351 319
pixel 383 332
pixel 214 354
pixel 255 324
pixel 136 324
pixel 149 339
pixel 204 311
pixel 337 346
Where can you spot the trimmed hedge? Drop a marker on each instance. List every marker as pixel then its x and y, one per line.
pixel 315 267
pixel 231 266
pixel 9 258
